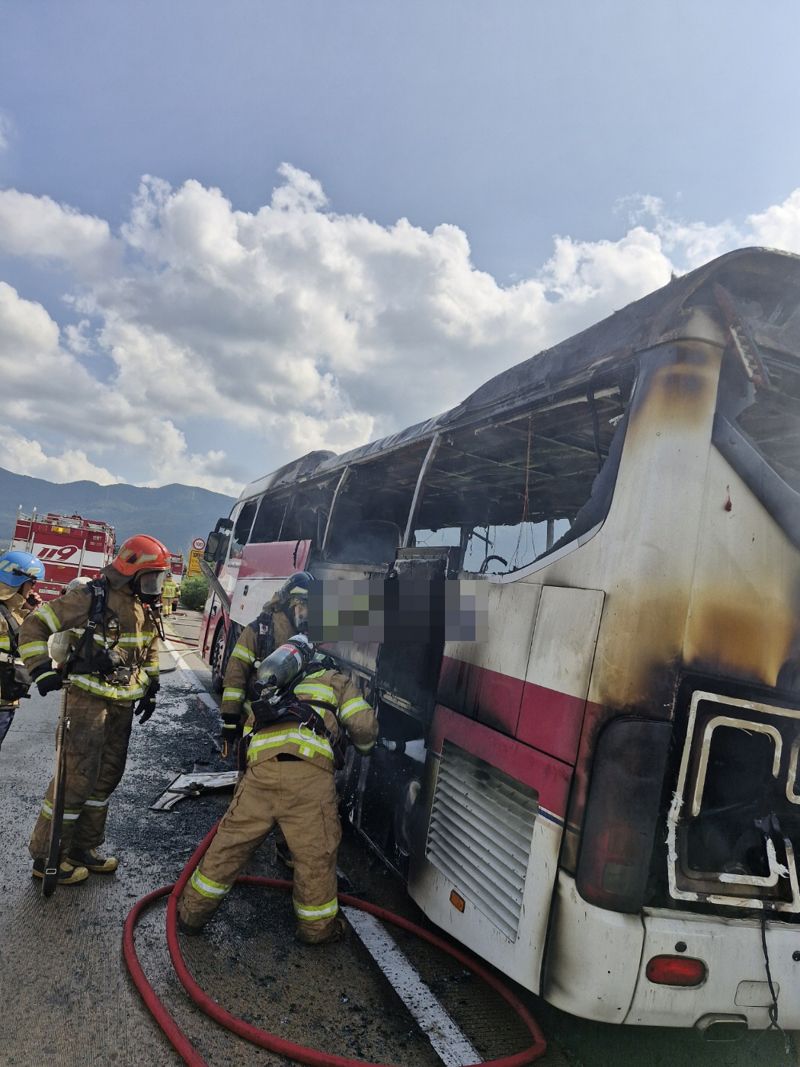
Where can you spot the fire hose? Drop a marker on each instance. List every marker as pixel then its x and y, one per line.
pixel 263 1038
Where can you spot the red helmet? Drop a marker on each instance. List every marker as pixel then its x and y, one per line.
pixel 141 553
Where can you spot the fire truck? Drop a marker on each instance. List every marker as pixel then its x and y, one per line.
pixel 69 546
pixel 176 565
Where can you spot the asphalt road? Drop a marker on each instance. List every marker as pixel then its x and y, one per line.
pixel 65 994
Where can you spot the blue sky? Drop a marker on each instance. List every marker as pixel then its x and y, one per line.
pixel 268 300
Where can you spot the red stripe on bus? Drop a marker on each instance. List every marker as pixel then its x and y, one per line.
pixel 551 721
pixel 483 694
pixel 548 776
pixel 544 718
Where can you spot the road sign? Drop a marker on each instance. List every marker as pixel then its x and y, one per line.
pixel 193 566
pixel 199 544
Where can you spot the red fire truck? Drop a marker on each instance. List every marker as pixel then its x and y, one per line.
pixel 176 565
pixel 69 546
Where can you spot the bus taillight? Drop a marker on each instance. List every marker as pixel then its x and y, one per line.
pixel 676 970
pixel 622 812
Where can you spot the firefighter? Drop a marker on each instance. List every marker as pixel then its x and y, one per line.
pixel 168 594
pixel 289 781
pixel 114 664
pixel 19 572
pixel 281 617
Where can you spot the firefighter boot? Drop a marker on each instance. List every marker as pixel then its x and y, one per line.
pixel 68 872
pixel 91 859
pixel 336 933
pixel 190 929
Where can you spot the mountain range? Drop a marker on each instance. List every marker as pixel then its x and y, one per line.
pixel 175 514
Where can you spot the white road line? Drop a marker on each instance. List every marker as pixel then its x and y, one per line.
pixel 448 1041
pixel 178 656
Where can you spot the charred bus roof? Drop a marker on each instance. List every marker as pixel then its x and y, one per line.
pixel 754 275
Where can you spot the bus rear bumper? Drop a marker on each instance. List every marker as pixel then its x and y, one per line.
pixel 596 966
pixel 735 986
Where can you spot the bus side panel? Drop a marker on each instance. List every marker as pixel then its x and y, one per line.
pixel 485 679
pixel 743 620
pixel 559 669
pixel 485 862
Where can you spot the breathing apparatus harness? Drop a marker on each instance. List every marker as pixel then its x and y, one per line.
pixel 274 698
pixel 14 678
pixel 101 657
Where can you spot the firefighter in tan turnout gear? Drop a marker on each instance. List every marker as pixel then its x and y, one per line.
pixel 281 617
pixel 300 722
pixel 114 664
pixel 284 615
pixel 19 572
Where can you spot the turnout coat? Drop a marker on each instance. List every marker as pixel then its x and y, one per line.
pixel 129 628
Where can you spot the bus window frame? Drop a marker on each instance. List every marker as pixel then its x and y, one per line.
pixel 348 483
pixel 236 547
pixel 293 502
pixel 598 503
pixel 343 477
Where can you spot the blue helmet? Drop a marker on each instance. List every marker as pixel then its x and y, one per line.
pixel 16 568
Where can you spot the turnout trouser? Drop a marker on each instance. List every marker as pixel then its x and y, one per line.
pixel 96 750
pixel 301 798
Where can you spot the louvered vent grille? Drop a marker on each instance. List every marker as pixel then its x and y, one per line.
pixel 480 835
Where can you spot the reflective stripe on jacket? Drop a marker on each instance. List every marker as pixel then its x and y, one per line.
pixel 353 714
pixel 242 662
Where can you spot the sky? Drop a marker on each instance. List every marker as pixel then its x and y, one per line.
pixel 234 233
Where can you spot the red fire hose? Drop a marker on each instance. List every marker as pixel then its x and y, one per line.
pixel 262 1038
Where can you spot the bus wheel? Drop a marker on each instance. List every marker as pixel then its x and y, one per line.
pixel 217 657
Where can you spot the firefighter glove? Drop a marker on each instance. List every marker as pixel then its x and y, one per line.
pixel 232 729
pixel 147 705
pixel 47 680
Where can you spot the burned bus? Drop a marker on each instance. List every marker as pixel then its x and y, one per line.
pixel 601 795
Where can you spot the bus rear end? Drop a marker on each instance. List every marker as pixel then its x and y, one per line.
pixel 608 811
pixel 679 904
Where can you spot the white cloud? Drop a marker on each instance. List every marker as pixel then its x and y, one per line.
pixel 38 227
pixel 172 461
pixel 26 456
pixel 295 327
pixel 779 225
pixel 48 391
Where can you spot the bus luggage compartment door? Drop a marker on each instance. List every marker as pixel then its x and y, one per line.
pixel 410 656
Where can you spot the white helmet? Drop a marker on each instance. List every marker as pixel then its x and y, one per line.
pixel 76 583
